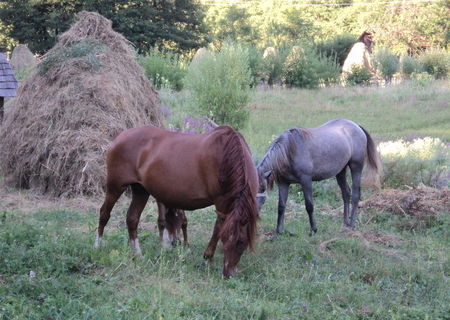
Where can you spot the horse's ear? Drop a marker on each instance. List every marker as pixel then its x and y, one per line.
pixel 267 174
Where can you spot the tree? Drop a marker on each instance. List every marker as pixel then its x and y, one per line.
pixel 175 24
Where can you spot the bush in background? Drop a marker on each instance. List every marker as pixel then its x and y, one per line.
pixel 219 85
pixel 436 62
pixel 386 63
pixel 359 76
pixel 410 163
pixel 337 48
pixel 272 64
pixel 409 66
pixel 305 68
pixel 164 68
pixel 255 63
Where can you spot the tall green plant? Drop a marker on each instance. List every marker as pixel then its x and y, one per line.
pixel 436 62
pixel 305 68
pixel 386 63
pixel 410 65
pixel 219 85
pixel 164 68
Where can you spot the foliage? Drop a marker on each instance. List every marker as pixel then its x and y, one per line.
pixel 305 68
pixel 219 85
pixel 272 64
pixel 386 63
pixel 436 63
pixel 421 160
pixel 403 27
pixel 255 63
pixel 337 47
pixel 174 24
pixel 409 65
pixel 164 68
pixel 359 76
pixel 86 51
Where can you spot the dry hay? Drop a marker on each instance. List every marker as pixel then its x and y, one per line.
pixel 87 89
pixel 22 59
pixel 420 203
pixel 369 239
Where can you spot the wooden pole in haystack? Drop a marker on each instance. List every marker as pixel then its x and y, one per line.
pixel 8 83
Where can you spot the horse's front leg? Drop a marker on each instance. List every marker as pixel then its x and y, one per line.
pixel 283 191
pixel 211 249
pixel 309 204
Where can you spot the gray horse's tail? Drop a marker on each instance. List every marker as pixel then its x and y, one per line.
pixel 373 170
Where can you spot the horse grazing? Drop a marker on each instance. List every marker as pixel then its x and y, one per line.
pixel 171 222
pixel 186 171
pixel 303 155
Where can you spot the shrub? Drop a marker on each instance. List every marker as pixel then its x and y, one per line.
pixel 436 63
pixel 409 65
pixel 359 76
pixel 305 68
pixel 272 65
pixel 422 160
pixel 164 69
pixel 336 48
pixel 219 85
pixel 387 63
pixel 255 63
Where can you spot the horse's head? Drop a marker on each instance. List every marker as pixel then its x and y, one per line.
pixel 234 246
pixel 238 232
pixel 263 187
pixel 172 225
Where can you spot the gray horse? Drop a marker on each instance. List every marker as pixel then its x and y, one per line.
pixel 303 155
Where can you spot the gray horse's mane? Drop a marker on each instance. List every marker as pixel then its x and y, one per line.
pixel 281 151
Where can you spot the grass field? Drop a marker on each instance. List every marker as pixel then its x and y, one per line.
pixel 390 268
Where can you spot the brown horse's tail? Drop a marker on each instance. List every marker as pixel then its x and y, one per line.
pixel 240 202
pixel 374 168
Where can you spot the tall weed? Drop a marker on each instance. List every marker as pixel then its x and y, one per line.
pixel 422 160
pixel 436 62
pixel 305 68
pixel 219 85
pixel 409 65
pixel 387 63
pixel 164 68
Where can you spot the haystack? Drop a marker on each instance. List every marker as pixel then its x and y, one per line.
pixel 86 90
pixel 22 59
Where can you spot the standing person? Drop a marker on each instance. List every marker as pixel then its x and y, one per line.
pixel 359 55
pixel 8 83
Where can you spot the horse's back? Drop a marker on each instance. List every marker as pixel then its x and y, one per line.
pixel 331 146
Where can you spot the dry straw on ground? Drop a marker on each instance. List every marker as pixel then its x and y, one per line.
pixel 87 89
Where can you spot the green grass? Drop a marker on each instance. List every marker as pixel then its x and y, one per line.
pixel 331 275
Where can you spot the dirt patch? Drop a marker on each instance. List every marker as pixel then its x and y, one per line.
pixel 420 203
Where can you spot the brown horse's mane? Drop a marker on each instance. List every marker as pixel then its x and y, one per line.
pixel 240 202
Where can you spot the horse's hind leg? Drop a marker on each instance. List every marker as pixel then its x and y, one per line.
pixel 138 201
pixel 356 170
pixel 113 193
pixel 346 192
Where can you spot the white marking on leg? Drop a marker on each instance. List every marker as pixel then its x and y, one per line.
pixel 136 247
pixel 166 239
pixel 98 241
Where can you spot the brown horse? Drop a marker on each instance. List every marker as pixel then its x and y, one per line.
pixel 171 222
pixel 186 171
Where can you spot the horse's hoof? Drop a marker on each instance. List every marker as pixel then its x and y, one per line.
pixel 208 256
pixel 312 232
